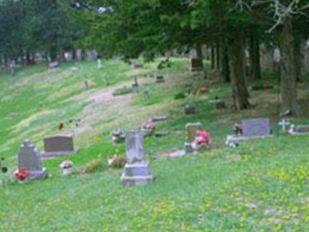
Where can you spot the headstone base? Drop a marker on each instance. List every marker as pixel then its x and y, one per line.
pixel 136 174
pixel 56 154
pixel 299 130
pixel 188 148
pixel 233 139
pixel 37 175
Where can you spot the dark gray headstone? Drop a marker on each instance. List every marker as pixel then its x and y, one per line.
pixel 58 145
pixel 220 104
pixel 134 88
pixel 256 127
pixel 136 170
pixel 160 79
pixel 135 150
pixel 196 64
pixel 29 157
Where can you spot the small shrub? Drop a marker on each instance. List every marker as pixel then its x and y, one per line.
pixel 122 91
pixel 117 162
pixel 179 96
pixel 91 166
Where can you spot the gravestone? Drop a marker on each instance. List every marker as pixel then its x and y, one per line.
pixel 251 129
pixel 256 127
pixel 159 118
pixel 29 157
pixel 191 129
pixel 136 170
pixel 160 79
pixel 99 64
pixel 79 55
pixel 134 88
pixel 146 94
pixel 299 130
pixel 220 104
pixel 53 65
pixel 189 110
pixel 58 145
pixel 137 66
pixel 196 64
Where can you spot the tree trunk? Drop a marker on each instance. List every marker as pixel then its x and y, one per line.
pixel 236 63
pixel 225 71
pixel 199 52
pixel 287 69
pixel 212 57
pixel 218 65
pixel 297 59
pixel 255 57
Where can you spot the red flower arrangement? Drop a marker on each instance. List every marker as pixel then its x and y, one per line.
pixel 22 173
pixel 203 137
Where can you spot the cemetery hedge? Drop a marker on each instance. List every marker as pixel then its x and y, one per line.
pixel 260 186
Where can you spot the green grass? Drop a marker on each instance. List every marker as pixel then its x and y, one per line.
pixel 260 186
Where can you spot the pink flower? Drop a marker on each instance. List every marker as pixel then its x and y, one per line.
pixel 203 137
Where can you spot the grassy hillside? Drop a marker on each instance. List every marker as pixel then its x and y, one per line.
pixel 260 186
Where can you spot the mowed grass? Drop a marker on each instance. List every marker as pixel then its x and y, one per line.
pixel 260 186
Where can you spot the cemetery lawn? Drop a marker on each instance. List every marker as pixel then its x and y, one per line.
pixel 260 186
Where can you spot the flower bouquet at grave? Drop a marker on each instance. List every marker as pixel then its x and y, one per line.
pixel 237 128
pixel 202 140
pixel 22 174
pixel 149 126
pixel 4 170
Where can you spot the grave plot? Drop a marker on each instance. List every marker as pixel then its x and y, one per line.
pixel 254 128
pixel 58 146
pixel 136 170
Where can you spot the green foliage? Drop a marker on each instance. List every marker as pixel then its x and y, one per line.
pixel 180 95
pixel 91 166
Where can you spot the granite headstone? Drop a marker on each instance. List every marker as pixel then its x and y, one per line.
pixel 58 145
pixel 256 127
pixel 136 170
pixel 29 157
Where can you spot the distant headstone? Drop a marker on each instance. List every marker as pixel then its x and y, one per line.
pixel 79 55
pixel 299 130
pixel 220 104
pixel 191 129
pixel 137 66
pixel 262 87
pixel 11 68
pixel 99 64
pixel 136 170
pixel 134 88
pixel 159 118
pixel 68 56
pixel 53 65
pixel 29 157
pixel 196 64
pixel 146 94
pixel 189 110
pixel 160 79
pixel 58 145
pixel 256 127
pixel 92 55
